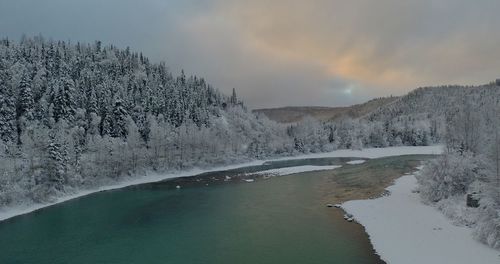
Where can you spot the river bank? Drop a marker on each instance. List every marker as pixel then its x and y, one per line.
pixel 404 230
pixel 10 212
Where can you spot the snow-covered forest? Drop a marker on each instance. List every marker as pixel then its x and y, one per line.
pixel 77 116
pixel 465 181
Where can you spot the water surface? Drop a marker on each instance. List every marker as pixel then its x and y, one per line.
pixel 276 220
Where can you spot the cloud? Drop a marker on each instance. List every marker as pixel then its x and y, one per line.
pixel 386 43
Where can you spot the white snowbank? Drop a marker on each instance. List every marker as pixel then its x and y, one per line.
pixel 356 162
pixel 371 153
pixel 404 230
pixel 293 170
pixel 154 177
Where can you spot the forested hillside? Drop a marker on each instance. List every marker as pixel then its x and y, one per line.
pixel 465 181
pixel 78 116
pixel 293 114
pixel 434 102
pixel 80 84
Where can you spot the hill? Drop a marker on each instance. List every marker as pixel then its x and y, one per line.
pixel 435 102
pixel 292 114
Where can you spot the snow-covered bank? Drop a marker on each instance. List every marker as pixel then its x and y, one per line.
pixel 371 153
pixel 293 170
pixel 356 162
pixel 153 177
pixel 404 230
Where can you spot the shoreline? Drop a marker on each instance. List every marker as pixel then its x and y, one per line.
pixel 150 177
pixel 419 233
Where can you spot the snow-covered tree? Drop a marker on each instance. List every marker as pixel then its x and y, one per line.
pixel 63 101
pixel 119 121
pixel 449 175
pixel 26 101
pixel 7 114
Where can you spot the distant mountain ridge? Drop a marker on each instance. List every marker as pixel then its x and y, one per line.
pixel 423 102
pixel 435 101
pixel 292 114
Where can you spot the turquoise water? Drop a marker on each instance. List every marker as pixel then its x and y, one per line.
pixel 278 220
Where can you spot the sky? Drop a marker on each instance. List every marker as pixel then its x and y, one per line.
pixel 286 52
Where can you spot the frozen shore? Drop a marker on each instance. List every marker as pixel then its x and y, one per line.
pixel 356 162
pixel 368 153
pixel 294 170
pixel 404 230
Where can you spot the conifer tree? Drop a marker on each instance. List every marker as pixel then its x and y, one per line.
pixel 7 109
pixel 56 164
pixel 119 121
pixel 234 99
pixel 63 102
pixel 26 101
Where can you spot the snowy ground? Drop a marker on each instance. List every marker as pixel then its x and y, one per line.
pixel 355 162
pixel 293 170
pixel 371 153
pixel 403 230
pixel 153 177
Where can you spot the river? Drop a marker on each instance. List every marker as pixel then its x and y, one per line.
pixel 208 220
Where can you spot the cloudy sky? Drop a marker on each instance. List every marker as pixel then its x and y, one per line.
pixel 287 52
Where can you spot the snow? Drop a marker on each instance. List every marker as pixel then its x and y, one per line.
pixel 372 153
pixel 404 230
pixel 293 170
pixel 10 212
pixel 356 162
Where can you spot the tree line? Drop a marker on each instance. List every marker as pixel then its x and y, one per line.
pixel 470 167
pixel 76 116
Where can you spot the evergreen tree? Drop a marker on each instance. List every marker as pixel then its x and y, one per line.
pixel 119 121
pixel 92 103
pixel 7 110
pixel 26 101
pixel 233 99
pixel 56 164
pixel 63 102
